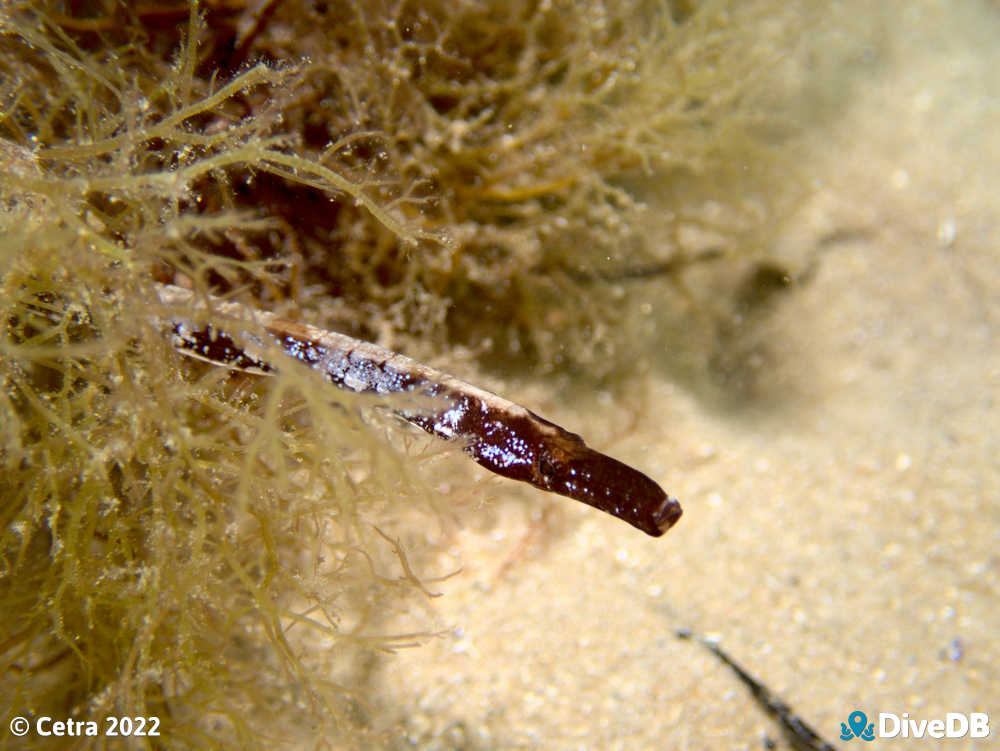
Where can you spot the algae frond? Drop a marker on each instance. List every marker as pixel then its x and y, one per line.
pixel 176 542
pixel 226 552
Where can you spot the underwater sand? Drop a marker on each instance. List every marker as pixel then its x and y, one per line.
pixel 841 538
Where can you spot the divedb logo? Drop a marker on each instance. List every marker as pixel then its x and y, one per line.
pixel 954 725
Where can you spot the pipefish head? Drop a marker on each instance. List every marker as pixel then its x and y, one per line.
pixel 573 469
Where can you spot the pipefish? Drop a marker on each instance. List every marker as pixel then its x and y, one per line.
pixel 498 434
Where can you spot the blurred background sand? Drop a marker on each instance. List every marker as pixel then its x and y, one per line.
pixel 842 537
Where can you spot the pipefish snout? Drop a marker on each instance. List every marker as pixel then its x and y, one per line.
pixel 498 434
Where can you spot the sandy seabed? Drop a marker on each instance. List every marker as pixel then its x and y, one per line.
pixel 841 542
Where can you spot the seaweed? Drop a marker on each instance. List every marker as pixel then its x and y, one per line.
pixel 227 553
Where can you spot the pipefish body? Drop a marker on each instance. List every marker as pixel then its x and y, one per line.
pixel 498 434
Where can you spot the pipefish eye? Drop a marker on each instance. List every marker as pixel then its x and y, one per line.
pixel 548 468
